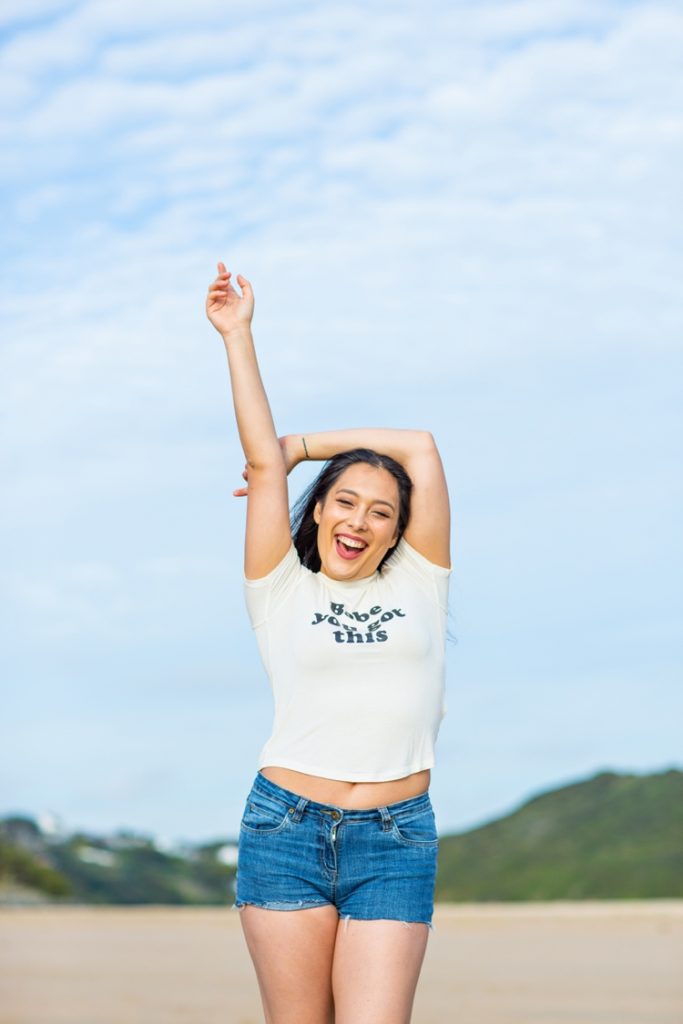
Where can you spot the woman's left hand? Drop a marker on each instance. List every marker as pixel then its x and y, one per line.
pixel 242 492
pixel 289 453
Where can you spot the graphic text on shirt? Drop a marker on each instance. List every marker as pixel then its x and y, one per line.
pixel 372 621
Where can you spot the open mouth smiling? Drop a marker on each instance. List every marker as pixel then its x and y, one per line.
pixel 349 547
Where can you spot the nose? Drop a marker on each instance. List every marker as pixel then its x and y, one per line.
pixel 357 518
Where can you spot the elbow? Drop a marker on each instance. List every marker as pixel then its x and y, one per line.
pixel 427 442
pixel 266 461
pixel 264 466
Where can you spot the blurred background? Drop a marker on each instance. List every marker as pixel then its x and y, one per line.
pixel 459 217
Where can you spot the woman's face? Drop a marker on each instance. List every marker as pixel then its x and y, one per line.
pixel 357 522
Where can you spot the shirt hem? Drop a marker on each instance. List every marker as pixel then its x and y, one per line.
pixel 342 774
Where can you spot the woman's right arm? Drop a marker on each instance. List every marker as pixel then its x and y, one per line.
pixel 268 535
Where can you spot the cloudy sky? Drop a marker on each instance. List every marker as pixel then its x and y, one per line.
pixel 457 216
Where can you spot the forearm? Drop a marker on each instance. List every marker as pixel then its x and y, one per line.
pixel 401 445
pixel 252 410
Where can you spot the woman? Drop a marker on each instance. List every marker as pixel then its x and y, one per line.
pixel 338 842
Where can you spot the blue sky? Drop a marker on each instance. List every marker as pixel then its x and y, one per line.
pixel 463 218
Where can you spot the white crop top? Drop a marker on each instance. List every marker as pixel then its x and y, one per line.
pixel 356 667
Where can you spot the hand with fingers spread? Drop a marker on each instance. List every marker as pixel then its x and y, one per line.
pixel 227 310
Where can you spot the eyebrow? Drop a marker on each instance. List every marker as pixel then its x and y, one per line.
pixel 376 501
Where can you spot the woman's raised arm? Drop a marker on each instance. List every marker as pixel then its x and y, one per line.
pixel 429 526
pixel 267 536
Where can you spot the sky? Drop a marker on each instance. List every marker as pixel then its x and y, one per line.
pixel 459 217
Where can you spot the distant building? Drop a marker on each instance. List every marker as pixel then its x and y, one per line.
pixel 227 854
pixel 96 855
pixel 51 825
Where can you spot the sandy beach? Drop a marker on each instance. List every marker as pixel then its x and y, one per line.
pixel 539 963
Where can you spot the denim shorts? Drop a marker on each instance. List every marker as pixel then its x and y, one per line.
pixel 374 863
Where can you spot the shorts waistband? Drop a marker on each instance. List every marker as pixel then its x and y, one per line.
pixel 269 788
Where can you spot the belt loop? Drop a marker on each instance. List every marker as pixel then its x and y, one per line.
pixel 300 808
pixel 387 822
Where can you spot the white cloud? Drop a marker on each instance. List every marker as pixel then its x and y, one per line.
pixel 201 53
pixel 19 12
pixel 55 47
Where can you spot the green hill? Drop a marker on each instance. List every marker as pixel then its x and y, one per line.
pixel 122 869
pixel 610 837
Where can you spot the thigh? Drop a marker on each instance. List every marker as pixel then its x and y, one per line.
pixel 375 970
pixel 292 952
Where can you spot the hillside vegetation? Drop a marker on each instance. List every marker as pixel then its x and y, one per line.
pixel 613 836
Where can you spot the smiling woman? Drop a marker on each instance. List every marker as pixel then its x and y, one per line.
pixel 348 602
pixel 357 506
pixel 363 505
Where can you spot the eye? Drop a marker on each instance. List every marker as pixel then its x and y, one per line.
pixel 382 515
pixel 343 501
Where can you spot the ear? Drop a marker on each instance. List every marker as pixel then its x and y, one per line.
pixel 316 512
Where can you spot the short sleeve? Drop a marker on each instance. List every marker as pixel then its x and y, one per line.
pixel 432 578
pixel 264 595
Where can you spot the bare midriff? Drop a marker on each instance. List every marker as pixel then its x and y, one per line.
pixel 348 795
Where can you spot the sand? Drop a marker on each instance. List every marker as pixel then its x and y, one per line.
pixel 539 963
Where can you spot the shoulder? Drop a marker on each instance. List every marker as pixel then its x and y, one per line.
pixel 265 594
pixel 405 556
pixel 406 567
pixel 289 564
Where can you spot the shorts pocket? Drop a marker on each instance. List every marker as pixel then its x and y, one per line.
pixel 263 816
pixel 420 830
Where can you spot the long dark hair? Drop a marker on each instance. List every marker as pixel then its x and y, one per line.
pixel 304 526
